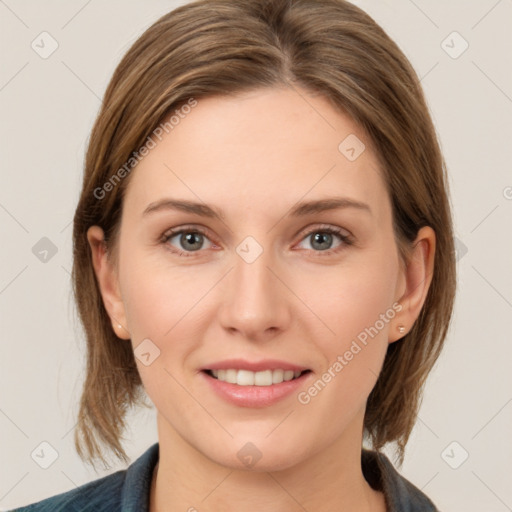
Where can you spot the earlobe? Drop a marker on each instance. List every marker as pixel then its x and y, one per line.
pixel 418 277
pixel 107 281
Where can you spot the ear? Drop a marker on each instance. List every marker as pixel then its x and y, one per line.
pixel 106 275
pixel 417 277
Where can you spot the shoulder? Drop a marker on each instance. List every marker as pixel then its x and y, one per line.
pixel 401 495
pixel 101 494
pixel 112 493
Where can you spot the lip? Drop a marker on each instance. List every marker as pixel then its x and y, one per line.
pixel 254 396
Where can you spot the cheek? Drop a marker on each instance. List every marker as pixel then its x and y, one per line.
pixel 163 303
pixel 159 296
pixel 352 298
pixel 356 304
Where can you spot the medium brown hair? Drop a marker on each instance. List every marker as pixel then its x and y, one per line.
pixel 218 47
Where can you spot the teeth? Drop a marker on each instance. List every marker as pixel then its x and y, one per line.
pixel 289 374
pixel 248 378
pixel 277 376
pixel 231 376
pixel 244 378
pixel 263 378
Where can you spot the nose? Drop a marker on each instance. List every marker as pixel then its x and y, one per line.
pixel 256 304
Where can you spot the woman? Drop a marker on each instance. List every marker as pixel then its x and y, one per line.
pixel 263 245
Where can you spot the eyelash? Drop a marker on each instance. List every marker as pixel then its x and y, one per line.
pixel 347 240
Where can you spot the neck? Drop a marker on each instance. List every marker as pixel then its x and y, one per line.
pixel 187 480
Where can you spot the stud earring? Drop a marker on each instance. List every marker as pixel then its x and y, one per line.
pixel 401 329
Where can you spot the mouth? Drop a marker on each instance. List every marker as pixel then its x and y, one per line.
pixel 255 385
pixel 242 377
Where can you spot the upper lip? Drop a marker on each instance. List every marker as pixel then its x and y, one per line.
pixel 254 366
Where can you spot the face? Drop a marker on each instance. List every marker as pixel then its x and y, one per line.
pixel 260 278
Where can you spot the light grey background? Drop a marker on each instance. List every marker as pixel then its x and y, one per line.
pixel 47 110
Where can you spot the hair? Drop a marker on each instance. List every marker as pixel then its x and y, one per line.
pixel 219 47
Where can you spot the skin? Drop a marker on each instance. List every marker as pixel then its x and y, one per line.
pixel 255 156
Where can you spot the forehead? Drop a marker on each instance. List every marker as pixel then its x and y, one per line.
pixel 260 151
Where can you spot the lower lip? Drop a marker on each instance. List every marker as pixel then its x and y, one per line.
pixel 255 396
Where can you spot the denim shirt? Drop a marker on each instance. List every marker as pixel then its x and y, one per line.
pixel 128 490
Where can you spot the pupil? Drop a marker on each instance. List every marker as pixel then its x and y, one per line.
pixel 320 238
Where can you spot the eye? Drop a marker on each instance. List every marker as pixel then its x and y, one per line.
pixel 322 238
pixel 186 241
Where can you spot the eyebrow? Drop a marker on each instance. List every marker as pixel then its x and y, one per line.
pixel 299 210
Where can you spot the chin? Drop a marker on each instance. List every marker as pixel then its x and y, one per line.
pixel 259 455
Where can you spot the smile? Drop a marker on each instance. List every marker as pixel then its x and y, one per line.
pixel 255 389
